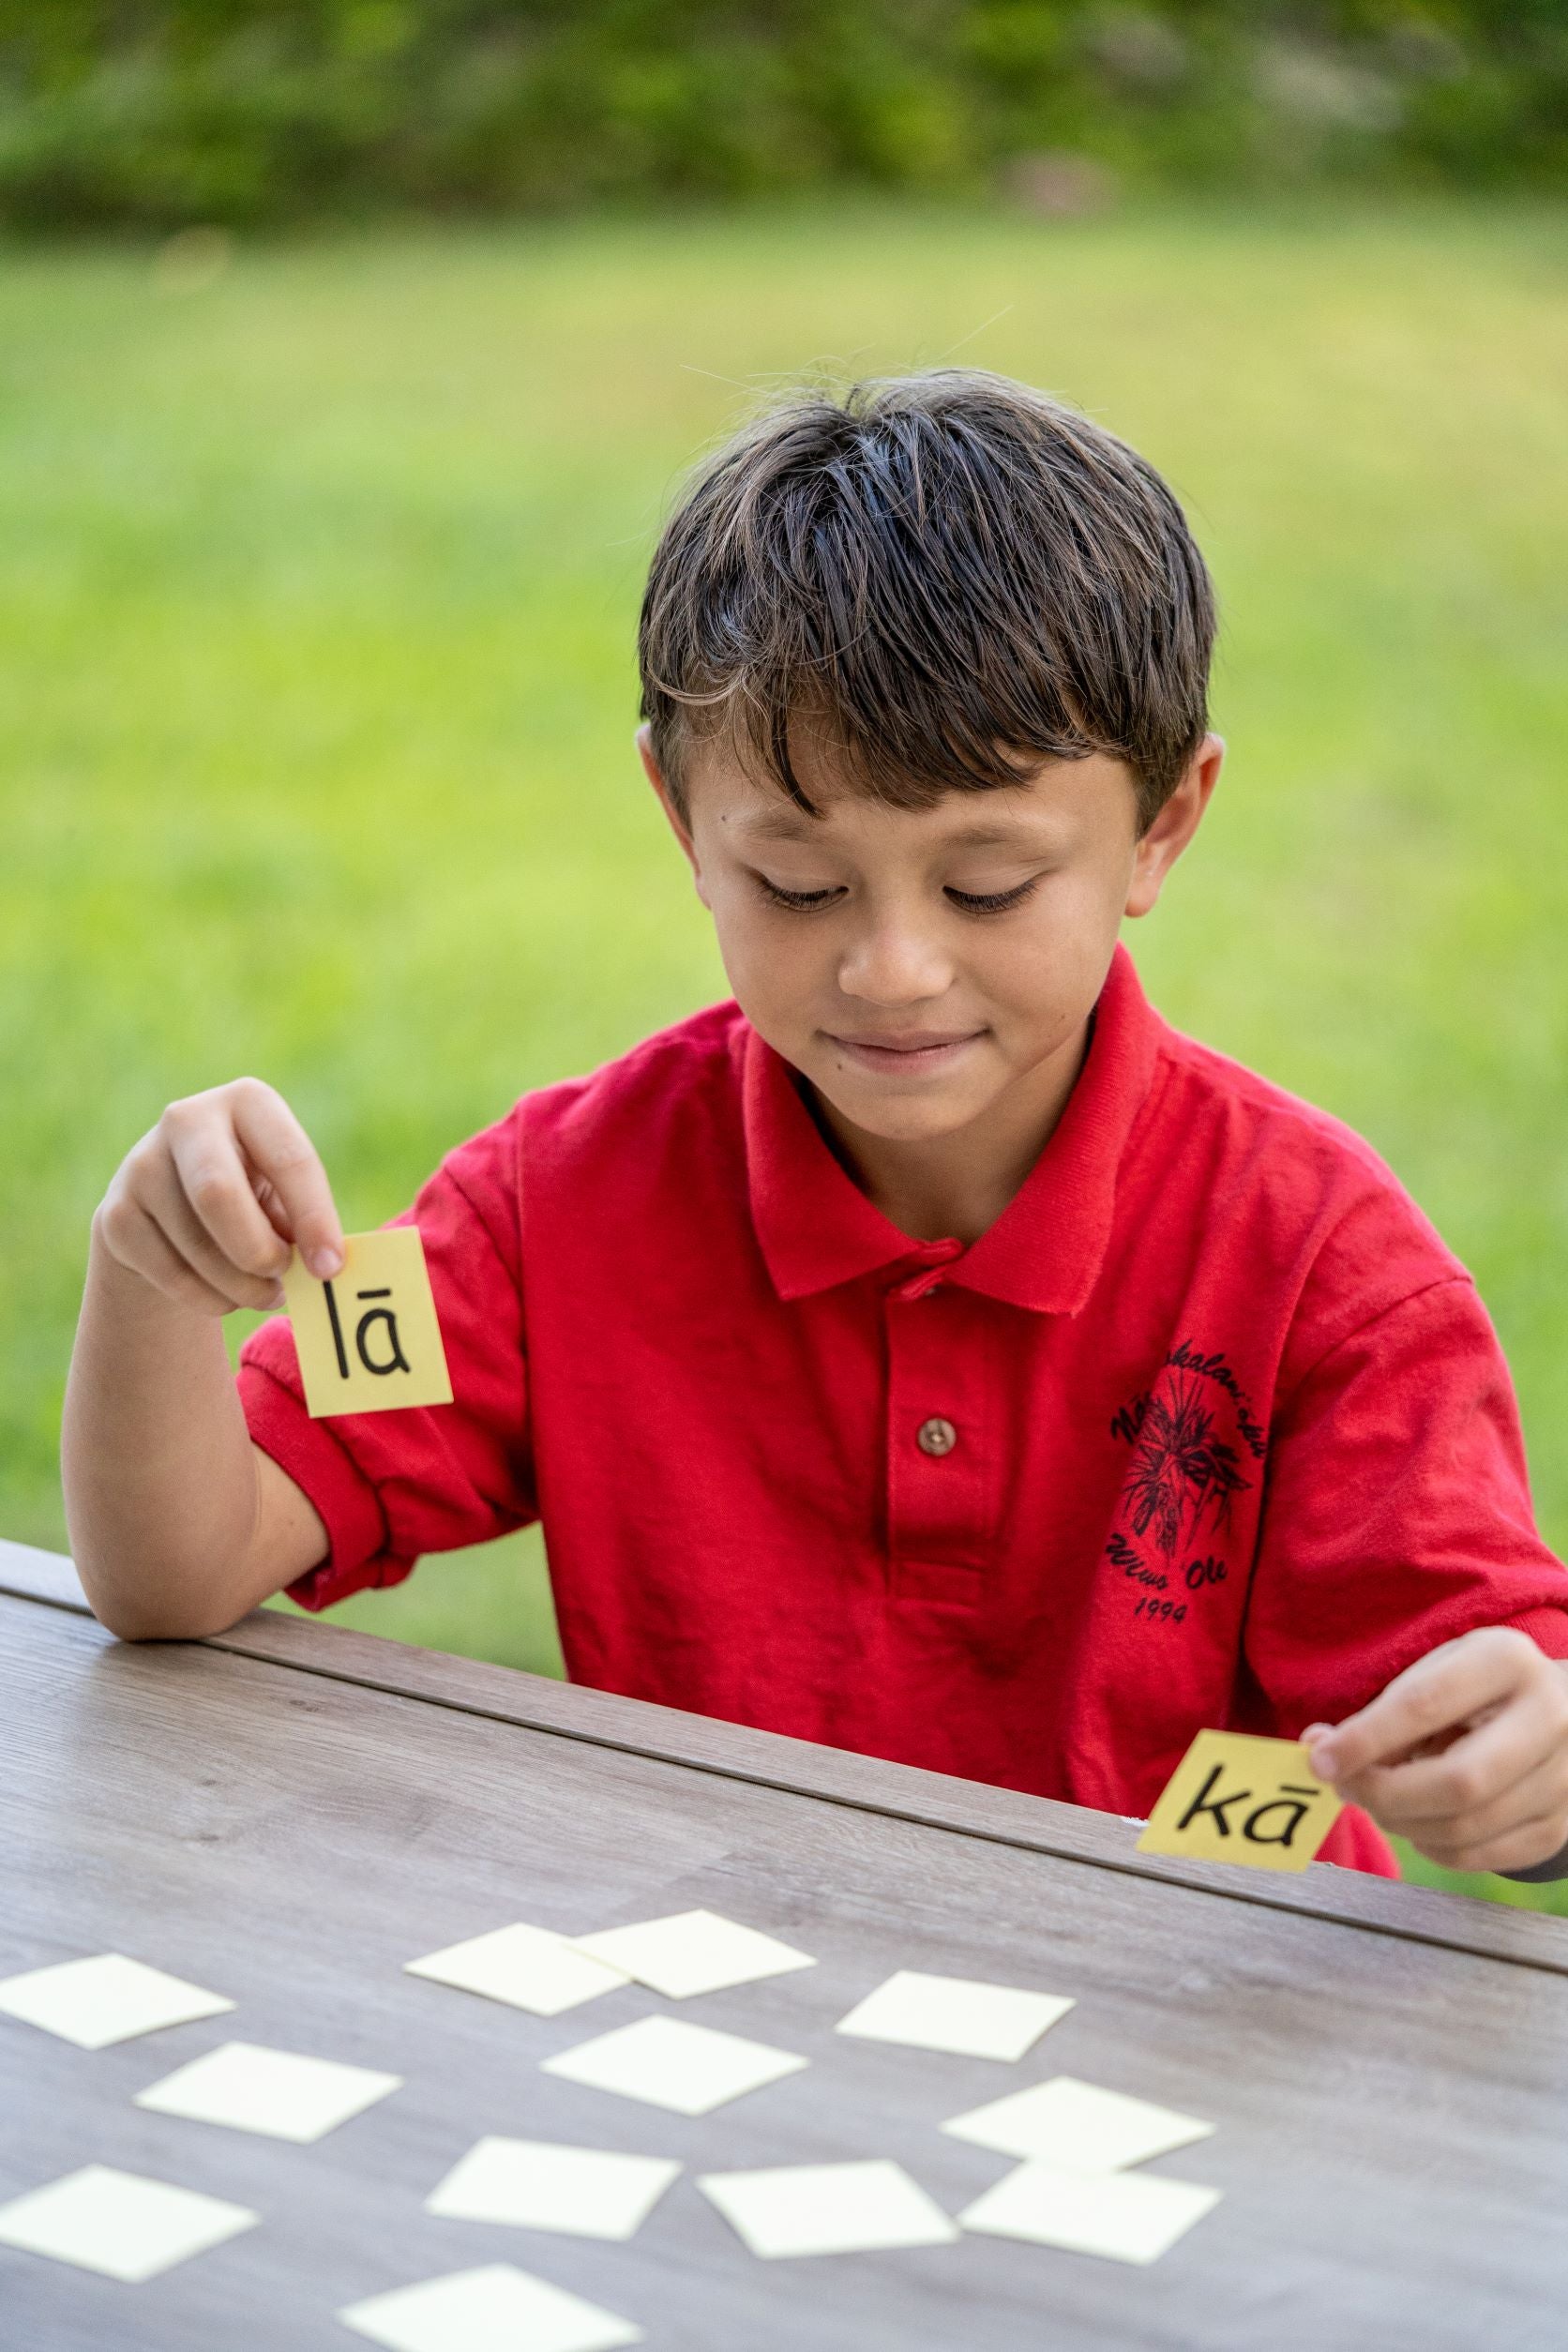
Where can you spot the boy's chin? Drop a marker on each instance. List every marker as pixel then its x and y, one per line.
pixel 929 1118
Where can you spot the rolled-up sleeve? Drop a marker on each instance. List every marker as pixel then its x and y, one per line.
pixel 390 1487
pixel 1398 1512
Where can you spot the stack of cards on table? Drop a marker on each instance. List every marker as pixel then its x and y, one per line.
pixel 1074 2141
pixel 1073 2188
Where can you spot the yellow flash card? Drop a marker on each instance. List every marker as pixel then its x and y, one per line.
pixel 368 1340
pixel 1235 1798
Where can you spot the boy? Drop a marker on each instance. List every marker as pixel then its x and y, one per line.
pixel 928 1352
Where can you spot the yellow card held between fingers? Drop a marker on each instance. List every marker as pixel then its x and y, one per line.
pixel 1235 1798
pixel 368 1340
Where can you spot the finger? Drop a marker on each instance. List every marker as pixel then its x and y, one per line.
pixel 1542 1791
pixel 271 1203
pixel 1522 1848
pixel 1480 1765
pixel 161 1195
pixel 282 1152
pixel 1449 1686
pixel 137 1243
pixel 215 1182
pixel 1431 1699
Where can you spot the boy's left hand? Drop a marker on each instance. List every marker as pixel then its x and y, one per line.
pixel 1465 1753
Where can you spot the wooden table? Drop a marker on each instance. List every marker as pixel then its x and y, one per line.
pixel 288 1812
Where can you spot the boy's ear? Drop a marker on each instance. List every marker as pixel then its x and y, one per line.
pixel 678 824
pixel 654 774
pixel 1173 828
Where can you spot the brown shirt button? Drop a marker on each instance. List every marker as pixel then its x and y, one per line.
pixel 935 1436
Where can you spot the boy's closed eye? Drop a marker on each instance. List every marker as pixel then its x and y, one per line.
pixel 968 901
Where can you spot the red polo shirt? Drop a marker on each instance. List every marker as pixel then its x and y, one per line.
pixel 1208 1428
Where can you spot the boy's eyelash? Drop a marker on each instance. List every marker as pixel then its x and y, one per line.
pixel 992 901
pixel 804 901
pixel 971 901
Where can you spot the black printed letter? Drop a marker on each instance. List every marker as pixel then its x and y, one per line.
pixel 1203 1804
pixel 397 1361
pixel 337 1328
pixel 1296 1802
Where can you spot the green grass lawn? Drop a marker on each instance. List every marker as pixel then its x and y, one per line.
pixel 317 593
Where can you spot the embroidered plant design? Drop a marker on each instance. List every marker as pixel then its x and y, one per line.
pixel 1180 1469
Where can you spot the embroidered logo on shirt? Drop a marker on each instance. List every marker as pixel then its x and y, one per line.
pixel 1183 1478
pixel 1182 1475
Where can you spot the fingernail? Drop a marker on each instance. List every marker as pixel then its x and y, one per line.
pixel 324 1263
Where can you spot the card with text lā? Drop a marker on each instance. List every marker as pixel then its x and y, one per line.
pixel 1237 1798
pixel 367 1339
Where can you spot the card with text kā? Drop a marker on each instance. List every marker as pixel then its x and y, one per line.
pixel 368 1340
pixel 1237 1798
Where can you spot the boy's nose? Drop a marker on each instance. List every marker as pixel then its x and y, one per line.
pixel 891 966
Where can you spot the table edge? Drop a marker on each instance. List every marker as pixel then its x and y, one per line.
pixel 866 1784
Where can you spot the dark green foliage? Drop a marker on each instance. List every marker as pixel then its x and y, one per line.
pixel 168 112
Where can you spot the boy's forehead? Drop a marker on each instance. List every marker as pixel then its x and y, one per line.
pixel 757 811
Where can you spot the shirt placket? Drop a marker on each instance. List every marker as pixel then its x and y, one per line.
pixel 938 1443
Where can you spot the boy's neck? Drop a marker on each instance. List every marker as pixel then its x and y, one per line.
pixel 956 1185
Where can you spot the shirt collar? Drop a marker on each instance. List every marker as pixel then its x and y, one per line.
pixel 817 1227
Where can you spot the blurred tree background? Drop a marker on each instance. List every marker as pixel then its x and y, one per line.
pixel 166 112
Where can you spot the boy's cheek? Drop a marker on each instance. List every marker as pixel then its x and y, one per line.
pixel 779 986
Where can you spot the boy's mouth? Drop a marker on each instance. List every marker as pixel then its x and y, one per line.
pixel 915 1054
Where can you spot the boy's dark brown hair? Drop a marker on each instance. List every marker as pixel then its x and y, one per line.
pixel 946 576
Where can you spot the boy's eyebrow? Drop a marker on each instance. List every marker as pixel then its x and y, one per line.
pixel 1002 837
pixel 783 825
pixel 778 826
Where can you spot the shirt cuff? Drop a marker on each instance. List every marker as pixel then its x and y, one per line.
pixel 1546 1627
pixel 350 1508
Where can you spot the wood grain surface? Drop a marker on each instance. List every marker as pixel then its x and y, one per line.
pixel 1003 1815
pixel 1390 2112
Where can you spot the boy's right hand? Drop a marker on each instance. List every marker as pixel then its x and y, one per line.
pixel 207 1207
